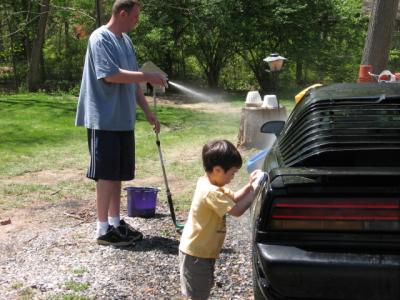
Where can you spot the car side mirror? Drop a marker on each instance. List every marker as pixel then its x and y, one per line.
pixel 274 127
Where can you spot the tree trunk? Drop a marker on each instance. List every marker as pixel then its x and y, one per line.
pixel 299 71
pixel 380 30
pixel 67 46
pixel 264 80
pixel 27 41
pixel 182 69
pixel 99 13
pixel 169 63
pixel 263 77
pixel 212 77
pixel 34 73
pixel 13 52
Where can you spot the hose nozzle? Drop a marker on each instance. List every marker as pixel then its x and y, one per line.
pixel 166 81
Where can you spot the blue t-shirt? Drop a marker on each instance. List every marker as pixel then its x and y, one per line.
pixel 102 105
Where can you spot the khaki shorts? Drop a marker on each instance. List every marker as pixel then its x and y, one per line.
pixel 197 276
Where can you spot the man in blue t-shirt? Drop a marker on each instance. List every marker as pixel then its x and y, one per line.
pixel 107 108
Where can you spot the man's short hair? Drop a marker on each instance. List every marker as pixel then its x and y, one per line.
pixel 220 153
pixel 126 5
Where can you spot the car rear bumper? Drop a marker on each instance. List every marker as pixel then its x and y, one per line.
pixel 287 272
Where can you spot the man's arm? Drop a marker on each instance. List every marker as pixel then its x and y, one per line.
pixel 125 76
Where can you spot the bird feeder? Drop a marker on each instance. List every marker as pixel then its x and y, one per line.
pixel 275 62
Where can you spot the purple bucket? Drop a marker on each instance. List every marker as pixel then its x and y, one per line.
pixel 141 201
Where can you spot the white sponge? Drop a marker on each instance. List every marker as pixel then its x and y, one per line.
pixel 261 177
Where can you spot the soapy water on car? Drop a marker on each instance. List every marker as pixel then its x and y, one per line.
pixel 261 178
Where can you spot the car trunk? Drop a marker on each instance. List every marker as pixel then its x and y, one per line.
pixel 332 207
pixel 330 233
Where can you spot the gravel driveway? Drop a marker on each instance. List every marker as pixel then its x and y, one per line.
pixel 63 262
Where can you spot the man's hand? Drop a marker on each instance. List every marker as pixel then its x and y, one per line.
pixel 156 79
pixel 151 118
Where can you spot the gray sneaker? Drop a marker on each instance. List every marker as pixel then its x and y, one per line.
pixel 113 237
pixel 127 230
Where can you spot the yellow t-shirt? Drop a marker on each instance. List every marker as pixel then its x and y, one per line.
pixel 205 229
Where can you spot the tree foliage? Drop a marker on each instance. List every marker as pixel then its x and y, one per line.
pixel 219 43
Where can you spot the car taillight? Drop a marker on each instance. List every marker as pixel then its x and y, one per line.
pixel 343 214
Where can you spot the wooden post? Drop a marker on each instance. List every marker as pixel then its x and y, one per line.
pixel 252 118
pixel 379 37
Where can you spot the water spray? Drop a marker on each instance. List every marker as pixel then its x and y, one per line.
pixel 190 92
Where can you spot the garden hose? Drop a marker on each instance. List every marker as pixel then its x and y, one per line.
pixel 178 226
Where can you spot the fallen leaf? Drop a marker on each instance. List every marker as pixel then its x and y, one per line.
pixel 5 222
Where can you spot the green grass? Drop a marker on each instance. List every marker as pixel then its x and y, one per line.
pixel 25 294
pixel 76 286
pixel 37 134
pixel 36 129
pixel 17 285
pixel 79 271
pixel 69 297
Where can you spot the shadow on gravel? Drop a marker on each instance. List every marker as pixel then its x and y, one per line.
pixel 156 216
pixel 163 244
pixel 228 250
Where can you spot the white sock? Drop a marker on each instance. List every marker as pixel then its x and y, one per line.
pixel 114 221
pixel 101 228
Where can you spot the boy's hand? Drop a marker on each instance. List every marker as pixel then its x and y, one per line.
pixel 253 175
pixel 255 178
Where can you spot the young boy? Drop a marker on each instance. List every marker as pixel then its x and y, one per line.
pixel 204 231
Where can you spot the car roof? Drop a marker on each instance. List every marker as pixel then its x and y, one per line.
pixel 353 91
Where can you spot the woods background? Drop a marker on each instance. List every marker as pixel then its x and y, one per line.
pixel 218 44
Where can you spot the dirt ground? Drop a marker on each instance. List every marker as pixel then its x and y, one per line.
pixel 24 232
pixel 15 220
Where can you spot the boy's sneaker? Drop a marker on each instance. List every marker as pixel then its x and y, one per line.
pixel 129 231
pixel 114 238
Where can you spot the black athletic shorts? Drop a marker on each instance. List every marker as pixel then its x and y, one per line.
pixel 112 155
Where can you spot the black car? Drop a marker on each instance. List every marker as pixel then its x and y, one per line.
pixel 326 223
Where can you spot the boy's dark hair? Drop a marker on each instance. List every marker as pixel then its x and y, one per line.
pixel 220 153
pixel 126 5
